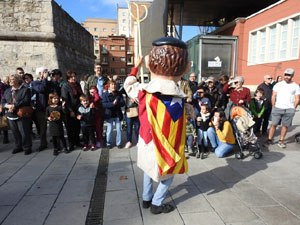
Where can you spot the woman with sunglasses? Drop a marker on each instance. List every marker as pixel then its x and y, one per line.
pixel 239 95
pixel 199 97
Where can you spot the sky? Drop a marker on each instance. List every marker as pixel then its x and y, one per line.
pixel 106 9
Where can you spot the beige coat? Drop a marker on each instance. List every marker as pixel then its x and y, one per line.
pixel 146 158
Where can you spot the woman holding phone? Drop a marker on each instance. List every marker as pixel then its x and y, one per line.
pixel 220 134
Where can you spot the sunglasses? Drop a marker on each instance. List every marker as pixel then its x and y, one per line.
pixel 269 78
pixel 289 75
pixel 236 82
pixel 200 92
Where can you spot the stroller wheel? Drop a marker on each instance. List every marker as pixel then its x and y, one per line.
pixel 239 155
pixel 258 155
pixel 297 138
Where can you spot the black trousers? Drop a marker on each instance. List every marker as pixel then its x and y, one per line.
pixel 265 119
pixel 88 134
pixel 21 129
pixel 56 141
pixel 42 123
pixel 73 130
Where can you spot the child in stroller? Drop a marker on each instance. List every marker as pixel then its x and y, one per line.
pixel 242 123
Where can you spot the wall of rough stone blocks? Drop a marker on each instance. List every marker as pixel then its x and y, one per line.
pixel 35 33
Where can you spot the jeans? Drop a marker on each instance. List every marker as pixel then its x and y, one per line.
pixel 21 132
pixel 134 121
pixel 109 131
pixel 222 148
pixel 189 141
pixel 202 135
pixel 161 191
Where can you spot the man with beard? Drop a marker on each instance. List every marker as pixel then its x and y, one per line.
pixel 285 99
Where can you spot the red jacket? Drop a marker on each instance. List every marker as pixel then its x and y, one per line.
pixel 236 96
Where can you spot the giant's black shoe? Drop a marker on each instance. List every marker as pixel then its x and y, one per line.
pixel 16 150
pixel 165 208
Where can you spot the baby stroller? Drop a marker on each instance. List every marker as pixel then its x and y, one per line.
pixel 242 124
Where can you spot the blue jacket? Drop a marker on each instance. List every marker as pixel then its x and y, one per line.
pixel 41 90
pixel 110 109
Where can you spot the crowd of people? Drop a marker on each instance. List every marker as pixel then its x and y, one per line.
pixel 213 99
pixel 53 102
pixel 85 106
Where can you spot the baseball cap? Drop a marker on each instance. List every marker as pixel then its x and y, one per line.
pixel 289 71
pixel 212 79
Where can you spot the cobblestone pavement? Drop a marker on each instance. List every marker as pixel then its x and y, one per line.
pixel 44 189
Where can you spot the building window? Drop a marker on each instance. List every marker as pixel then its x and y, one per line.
pixel 262 48
pixel 129 48
pixel 283 40
pixel 104 59
pixel 87 28
pixel 105 70
pixel 96 51
pixel 275 42
pixel 124 13
pixel 122 70
pixel 123 20
pixel 122 47
pixel 112 59
pixel 113 70
pixel 122 59
pixel 104 29
pixel 130 60
pixel 96 44
pixel 253 47
pixel 112 47
pixel 272 42
pixel 95 29
pixel 96 37
pixel 113 30
pixel 295 37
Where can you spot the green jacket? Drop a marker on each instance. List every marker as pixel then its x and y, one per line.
pixel 256 109
pixel 92 82
pixel 190 130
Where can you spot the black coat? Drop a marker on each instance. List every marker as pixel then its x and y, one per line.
pixel 268 89
pixel 22 98
pixel 110 109
pixel 72 101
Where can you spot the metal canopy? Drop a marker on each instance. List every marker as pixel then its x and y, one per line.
pixel 211 12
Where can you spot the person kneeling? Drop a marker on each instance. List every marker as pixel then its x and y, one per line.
pixel 220 134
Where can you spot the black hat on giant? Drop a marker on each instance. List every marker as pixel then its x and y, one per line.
pixel 169 41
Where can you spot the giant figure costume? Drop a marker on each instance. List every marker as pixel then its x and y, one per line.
pixel 162 117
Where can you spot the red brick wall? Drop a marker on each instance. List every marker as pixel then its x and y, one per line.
pixel 253 74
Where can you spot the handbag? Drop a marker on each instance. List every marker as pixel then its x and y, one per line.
pixel 25 112
pixel 3 123
pixel 132 112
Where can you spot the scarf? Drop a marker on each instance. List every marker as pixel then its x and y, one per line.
pixel 76 88
pixel 96 98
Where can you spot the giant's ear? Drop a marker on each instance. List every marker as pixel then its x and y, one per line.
pixel 187 69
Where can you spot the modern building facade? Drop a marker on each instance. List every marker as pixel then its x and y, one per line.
pixel 268 41
pixel 100 28
pixel 117 55
pixel 124 22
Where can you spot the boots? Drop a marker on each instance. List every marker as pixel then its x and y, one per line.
pixel 55 152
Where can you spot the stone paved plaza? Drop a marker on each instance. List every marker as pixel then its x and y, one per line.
pixel 44 189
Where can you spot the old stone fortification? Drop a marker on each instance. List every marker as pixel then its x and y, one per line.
pixel 35 33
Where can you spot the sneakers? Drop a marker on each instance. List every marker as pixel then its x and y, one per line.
pixel 93 147
pixel 165 208
pixel 98 144
pixel 128 144
pixel 281 144
pixel 85 147
pixel 267 143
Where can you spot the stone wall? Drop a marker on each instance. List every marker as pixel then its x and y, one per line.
pixel 35 33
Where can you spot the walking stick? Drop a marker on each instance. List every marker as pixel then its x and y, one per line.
pixel 139 20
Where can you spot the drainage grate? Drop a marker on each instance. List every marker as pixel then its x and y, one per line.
pixel 95 213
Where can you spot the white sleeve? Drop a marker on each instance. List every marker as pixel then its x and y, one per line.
pixel 132 87
pixel 298 90
pixel 276 87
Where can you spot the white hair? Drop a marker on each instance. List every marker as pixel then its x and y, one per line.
pixel 40 70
